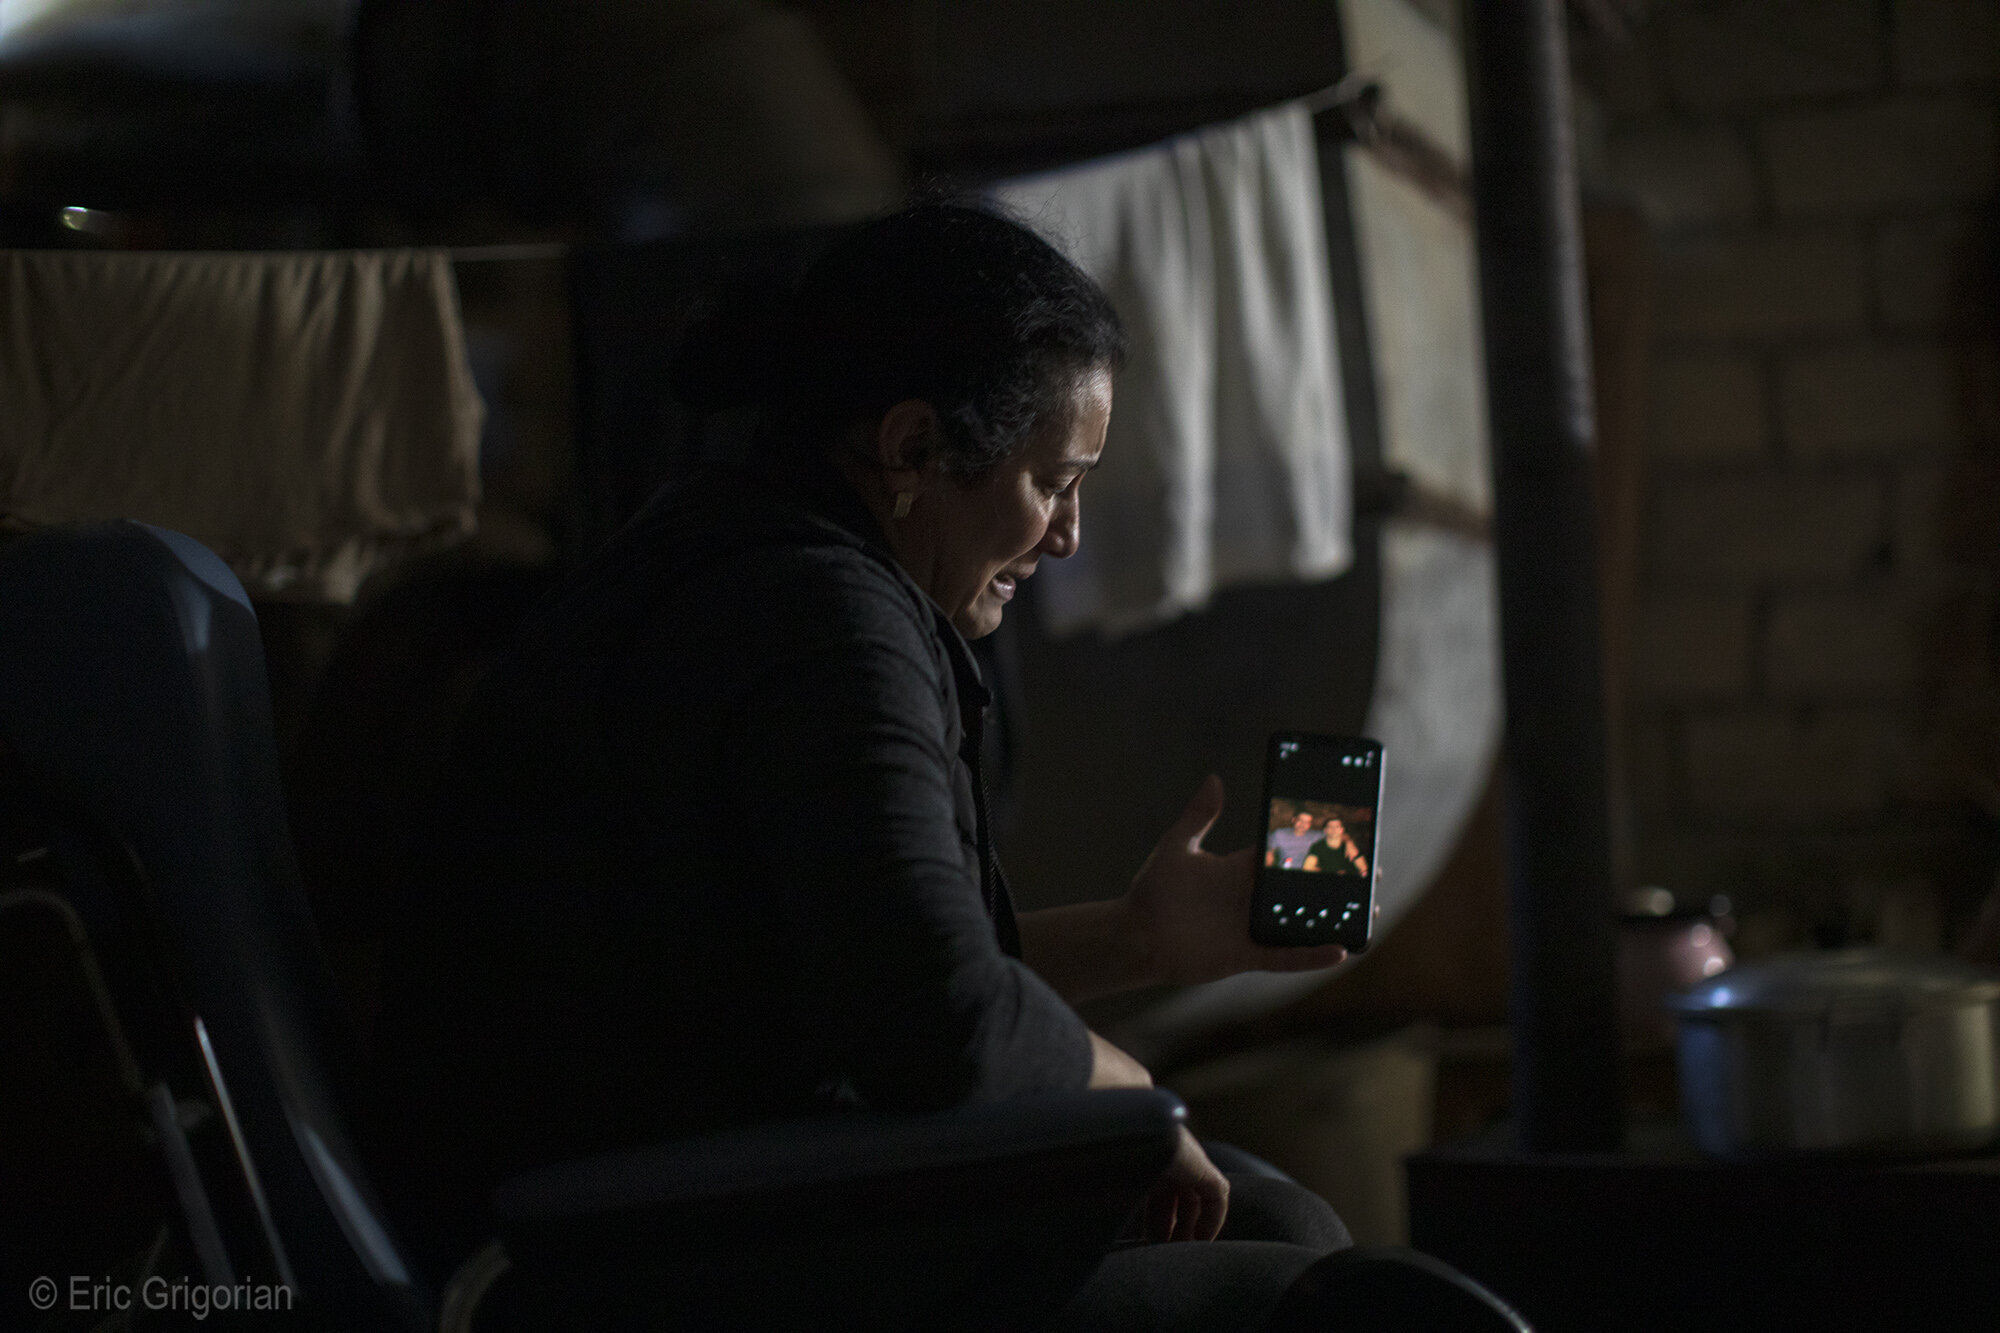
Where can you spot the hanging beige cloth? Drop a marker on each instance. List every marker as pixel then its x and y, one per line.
pixel 309 416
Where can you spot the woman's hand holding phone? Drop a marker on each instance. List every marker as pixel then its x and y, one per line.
pixel 1185 919
pixel 1192 907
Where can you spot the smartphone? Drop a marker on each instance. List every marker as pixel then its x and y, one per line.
pixel 1316 869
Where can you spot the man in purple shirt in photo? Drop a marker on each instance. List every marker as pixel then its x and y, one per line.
pixel 1286 847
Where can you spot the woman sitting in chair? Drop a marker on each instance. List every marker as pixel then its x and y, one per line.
pixel 720 853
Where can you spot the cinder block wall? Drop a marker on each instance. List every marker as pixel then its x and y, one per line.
pixel 1813 704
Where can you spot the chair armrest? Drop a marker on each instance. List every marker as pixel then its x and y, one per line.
pixel 1024 1152
pixel 986 1216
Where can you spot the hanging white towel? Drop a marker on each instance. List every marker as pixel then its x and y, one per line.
pixel 1227 458
pixel 307 416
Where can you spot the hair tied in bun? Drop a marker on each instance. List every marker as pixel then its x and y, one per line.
pixel 741 352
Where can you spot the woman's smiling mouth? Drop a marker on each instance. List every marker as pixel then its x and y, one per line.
pixel 1007 581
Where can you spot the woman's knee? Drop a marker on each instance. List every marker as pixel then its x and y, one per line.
pixel 1272 1208
pixel 1382 1289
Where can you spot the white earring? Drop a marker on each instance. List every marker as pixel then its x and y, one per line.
pixel 904 499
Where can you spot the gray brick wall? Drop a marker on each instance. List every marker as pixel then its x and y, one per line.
pixel 1899 152
pixel 1940 43
pixel 1709 407
pixel 1762 283
pixel 1813 685
pixel 1870 399
pixel 1763 528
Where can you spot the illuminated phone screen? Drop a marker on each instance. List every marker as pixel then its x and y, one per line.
pixel 1316 872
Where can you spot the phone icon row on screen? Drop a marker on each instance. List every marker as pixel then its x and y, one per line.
pixel 1310 921
pixel 1358 760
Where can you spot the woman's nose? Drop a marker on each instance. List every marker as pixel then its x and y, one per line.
pixel 1065 530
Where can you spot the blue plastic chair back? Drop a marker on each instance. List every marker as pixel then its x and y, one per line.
pixel 132 687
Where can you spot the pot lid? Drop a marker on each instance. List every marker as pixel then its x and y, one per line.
pixel 1813 984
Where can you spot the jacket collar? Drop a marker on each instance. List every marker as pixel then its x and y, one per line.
pixel 816 485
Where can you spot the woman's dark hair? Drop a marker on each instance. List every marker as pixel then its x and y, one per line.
pixel 960 307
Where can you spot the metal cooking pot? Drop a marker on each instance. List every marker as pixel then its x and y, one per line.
pixel 1857 1051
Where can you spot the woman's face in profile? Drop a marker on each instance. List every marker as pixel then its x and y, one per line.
pixel 987 537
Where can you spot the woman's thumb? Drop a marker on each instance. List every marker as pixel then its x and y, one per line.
pixel 1200 815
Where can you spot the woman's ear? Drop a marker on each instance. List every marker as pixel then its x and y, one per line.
pixel 906 444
